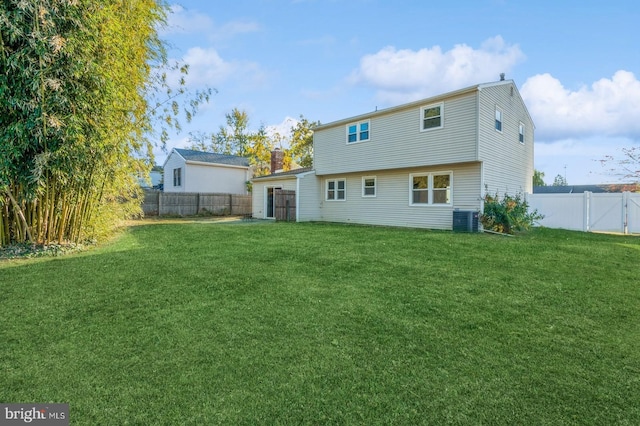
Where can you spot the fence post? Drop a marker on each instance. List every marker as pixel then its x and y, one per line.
pixel 160 194
pixel 625 212
pixel 587 211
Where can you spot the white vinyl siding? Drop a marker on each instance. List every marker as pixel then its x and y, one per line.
pixel 398 141
pixel 258 202
pixel 391 207
pixel 507 166
pixel 188 176
pixel 309 196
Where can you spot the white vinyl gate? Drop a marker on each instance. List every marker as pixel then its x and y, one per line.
pixel 589 212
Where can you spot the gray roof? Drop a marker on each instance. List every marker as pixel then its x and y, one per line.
pixel 212 157
pixel 287 173
pixel 571 189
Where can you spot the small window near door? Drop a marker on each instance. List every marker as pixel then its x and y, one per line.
pixel 336 190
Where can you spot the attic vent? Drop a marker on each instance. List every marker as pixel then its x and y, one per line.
pixel 501 76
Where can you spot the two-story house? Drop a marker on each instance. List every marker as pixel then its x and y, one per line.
pixel 414 164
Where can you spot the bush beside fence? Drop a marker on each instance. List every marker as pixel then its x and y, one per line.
pixel 158 203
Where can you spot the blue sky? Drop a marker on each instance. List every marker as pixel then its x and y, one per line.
pixel 576 64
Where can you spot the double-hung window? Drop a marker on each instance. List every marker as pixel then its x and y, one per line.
pixel 336 190
pixel 431 117
pixel 521 132
pixel 369 186
pixel 430 188
pixel 177 177
pixel 358 132
pixel 498 119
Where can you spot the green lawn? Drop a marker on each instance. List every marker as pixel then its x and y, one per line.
pixel 256 323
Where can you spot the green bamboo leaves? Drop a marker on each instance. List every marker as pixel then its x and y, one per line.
pixel 76 77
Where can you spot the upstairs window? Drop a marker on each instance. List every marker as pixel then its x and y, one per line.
pixel 521 133
pixel 358 132
pixel 431 117
pixel 336 190
pixel 177 177
pixel 498 119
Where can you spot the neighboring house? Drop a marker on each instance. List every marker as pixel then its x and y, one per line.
pixel 414 164
pixel 154 180
pixel 206 172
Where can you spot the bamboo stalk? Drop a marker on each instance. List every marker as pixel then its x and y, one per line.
pixel 20 214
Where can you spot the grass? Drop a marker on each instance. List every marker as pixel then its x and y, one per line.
pixel 252 323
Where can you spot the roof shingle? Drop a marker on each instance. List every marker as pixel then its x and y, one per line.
pixel 212 157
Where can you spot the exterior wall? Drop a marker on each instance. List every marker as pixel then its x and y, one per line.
pixel 391 205
pixel 397 142
pixel 508 164
pixel 309 193
pixel 205 178
pixel 258 193
pixel 173 162
pixel 215 178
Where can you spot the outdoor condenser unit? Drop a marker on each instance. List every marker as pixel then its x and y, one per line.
pixel 465 221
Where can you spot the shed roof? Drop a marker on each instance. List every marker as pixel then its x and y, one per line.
pixel 212 157
pixel 576 189
pixel 288 173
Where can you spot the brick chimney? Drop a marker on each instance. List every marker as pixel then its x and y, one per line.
pixel 277 158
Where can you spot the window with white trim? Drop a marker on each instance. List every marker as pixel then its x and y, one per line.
pixel 358 132
pixel 521 132
pixel 336 190
pixel 177 177
pixel 430 188
pixel 498 119
pixel 431 117
pixel 369 186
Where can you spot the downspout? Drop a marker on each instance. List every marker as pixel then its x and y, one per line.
pixel 482 194
pixel 298 198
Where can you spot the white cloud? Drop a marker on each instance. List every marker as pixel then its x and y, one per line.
pixel 405 75
pixel 609 107
pixel 183 21
pixel 187 21
pixel 283 129
pixel 208 68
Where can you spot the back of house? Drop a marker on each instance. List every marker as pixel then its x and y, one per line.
pixel 415 164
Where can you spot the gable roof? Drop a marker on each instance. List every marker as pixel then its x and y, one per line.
pixel 422 102
pixel 212 157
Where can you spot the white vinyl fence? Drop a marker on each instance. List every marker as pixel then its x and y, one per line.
pixel 589 212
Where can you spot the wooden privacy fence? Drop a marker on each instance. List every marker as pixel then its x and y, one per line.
pixel 589 212
pixel 158 203
pixel 285 205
